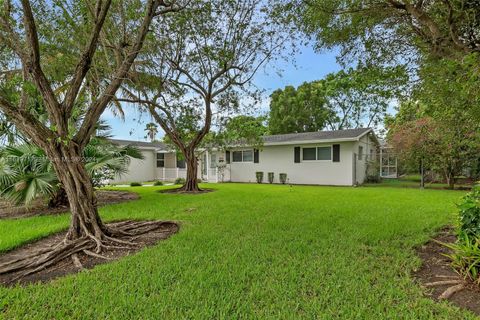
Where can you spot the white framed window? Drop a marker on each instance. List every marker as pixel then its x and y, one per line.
pixel 160 160
pixel 317 153
pixel 242 156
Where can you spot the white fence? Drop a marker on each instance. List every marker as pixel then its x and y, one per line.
pixel 170 174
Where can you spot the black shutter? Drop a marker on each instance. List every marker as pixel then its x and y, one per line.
pixel 255 155
pixel 336 153
pixel 296 155
pixel 227 156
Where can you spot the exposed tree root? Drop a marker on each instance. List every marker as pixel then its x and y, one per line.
pixel 442 283
pixel 88 245
pixel 451 291
pixel 455 285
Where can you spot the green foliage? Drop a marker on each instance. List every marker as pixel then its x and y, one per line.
pixel 445 138
pixel 180 181
pixel 346 99
pixel 466 257
pixel 373 172
pixel 243 130
pixel 135 184
pixel 271 177
pixel 259 176
pixel 158 183
pixel 26 173
pixel 469 213
pixel 283 178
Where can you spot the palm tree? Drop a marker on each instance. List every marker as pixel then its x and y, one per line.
pixel 26 173
pixel 152 131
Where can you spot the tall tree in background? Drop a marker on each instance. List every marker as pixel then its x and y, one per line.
pixel 303 109
pixel 152 130
pixel 346 99
pixel 242 130
pixel 205 68
pixel 52 45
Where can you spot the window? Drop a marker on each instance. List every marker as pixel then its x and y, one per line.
pixel 360 152
pixel 309 154
pixel 243 156
pixel 247 155
pixel 324 153
pixel 181 163
pixel 213 161
pixel 318 153
pixel 160 160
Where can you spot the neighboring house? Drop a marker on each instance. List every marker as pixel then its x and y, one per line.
pixel 323 158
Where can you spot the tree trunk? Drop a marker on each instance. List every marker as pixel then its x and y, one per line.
pixel 59 199
pixel 70 169
pixel 422 175
pixel 191 182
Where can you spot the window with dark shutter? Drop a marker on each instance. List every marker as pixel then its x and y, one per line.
pixel 255 156
pixel 336 153
pixel 296 154
pixel 227 156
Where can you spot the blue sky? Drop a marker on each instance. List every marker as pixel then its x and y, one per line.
pixel 308 66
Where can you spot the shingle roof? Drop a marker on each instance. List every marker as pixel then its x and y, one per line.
pixel 159 145
pixel 347 134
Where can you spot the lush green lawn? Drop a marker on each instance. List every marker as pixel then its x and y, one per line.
pixel 253 251
pixel 413 181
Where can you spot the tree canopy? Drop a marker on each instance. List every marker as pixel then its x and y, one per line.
pixel 346 99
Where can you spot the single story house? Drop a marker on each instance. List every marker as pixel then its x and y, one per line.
pixel 319 158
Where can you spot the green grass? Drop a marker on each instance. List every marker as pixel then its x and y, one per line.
pixel 413 181
pixel 251 251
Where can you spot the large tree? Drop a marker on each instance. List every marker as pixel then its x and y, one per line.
pixel 445 139
pixel 389 30
pixel 205 71
pixel 346 99
pixel 302 109
pixel 60 51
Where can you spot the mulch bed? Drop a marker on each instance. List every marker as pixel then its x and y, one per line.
pixel 436 267
pixel 66 266
pixel 39 207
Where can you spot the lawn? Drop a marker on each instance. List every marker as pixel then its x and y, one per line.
pixel 253 251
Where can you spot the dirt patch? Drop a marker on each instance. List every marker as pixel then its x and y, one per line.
pixel 66 266
pixel 179 191
pixel 436 268
pixel 40 208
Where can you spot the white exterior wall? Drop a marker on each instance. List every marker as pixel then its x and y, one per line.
pixel 368 144
pixel 139 170
pixel 280 159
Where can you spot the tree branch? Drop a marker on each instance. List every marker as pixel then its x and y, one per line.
pixel 84 64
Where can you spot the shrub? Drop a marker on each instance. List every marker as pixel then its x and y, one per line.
pixel 271 176
pixel 283 178
pixel 259 176
pixel 135 184
pixel 158 183
pixel 466 257
pixel 469 213
pixel 373 172
pixel 180 181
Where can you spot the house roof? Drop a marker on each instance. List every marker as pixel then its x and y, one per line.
pixel 279 139
pixel 337 135
pixel 141 144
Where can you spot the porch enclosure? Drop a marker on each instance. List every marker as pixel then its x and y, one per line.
pixel 170 166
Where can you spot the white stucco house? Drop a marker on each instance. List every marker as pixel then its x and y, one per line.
pixel 319 158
